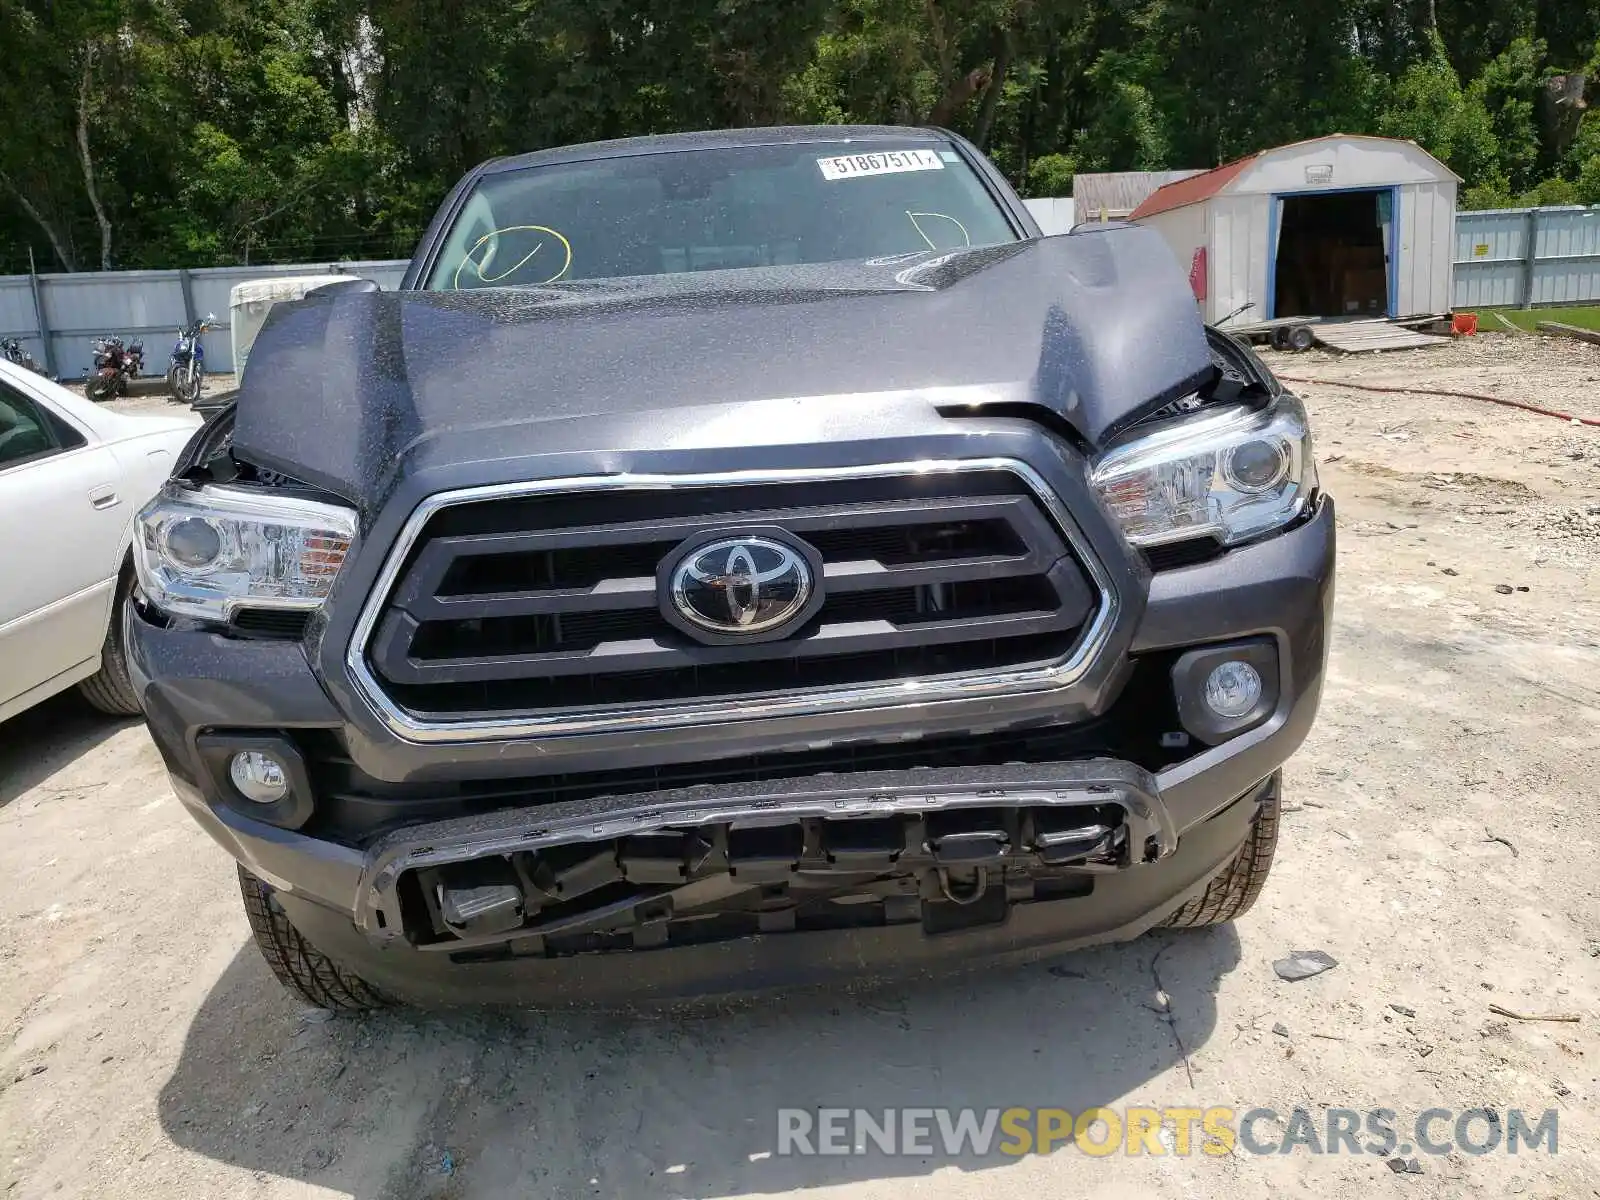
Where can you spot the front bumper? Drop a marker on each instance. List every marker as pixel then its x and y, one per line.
pixel 1114 905
pixel 1183 821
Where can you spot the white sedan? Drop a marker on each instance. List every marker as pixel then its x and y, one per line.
pixel 72 476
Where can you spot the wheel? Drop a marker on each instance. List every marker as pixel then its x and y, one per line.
pixel 1280 338
pixel 1233 892
pixel 100 387
pixel 189 385
pixel 1301 338
pixel 110 689
pixel 300 966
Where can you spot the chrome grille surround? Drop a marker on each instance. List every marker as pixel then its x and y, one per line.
pixel 708 710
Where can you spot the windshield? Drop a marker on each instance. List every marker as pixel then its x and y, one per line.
pixel 714 209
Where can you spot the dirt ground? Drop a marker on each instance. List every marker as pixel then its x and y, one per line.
pixel 1440 842
pixel 148 395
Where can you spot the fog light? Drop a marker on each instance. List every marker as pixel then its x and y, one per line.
pixel 1233 688
pixel 258 776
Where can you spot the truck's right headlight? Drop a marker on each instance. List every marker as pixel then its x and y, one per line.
pixel 1231 473
pixel 206 551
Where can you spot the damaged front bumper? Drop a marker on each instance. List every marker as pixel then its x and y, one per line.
pixel 946 848
pixel 734 890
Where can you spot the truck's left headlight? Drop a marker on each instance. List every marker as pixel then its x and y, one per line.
pixel 206 551
pixel 1231 473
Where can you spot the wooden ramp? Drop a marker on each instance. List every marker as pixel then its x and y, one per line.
pixel 1355 337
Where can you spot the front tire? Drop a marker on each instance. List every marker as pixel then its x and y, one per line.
pixel 100 387
pixel 1231 893
pixel 110 689
pixel 189 385
pixel 299 966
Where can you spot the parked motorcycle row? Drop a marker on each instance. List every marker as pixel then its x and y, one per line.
pixel 117 362
pixel 11 350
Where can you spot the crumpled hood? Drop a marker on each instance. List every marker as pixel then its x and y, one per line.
pixel 344 390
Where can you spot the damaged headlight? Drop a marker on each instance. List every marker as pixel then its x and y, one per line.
pixel 1231 473
pixel 205 552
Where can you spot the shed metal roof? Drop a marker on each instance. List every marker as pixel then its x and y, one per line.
pixel 1198 187
pixel 1193 189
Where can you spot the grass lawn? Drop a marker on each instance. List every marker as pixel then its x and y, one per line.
pixel 1527 319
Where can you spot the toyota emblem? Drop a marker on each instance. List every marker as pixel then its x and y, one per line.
pixel 746 585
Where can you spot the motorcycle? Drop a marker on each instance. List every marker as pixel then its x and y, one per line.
pixel 115 362
pixel 11 350
pixel 186 372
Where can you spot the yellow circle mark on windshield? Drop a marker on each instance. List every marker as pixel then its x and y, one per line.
pixel 966 238
pixel 478 268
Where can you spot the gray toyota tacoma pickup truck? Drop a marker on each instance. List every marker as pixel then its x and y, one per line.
pixel 734 561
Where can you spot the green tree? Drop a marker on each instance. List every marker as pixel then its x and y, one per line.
pixel 1429 106
pixel 1051 175
pixel 1588 184
pixel 1126 131
pixel 1509 89
pixel 1553 191
pixel 174 132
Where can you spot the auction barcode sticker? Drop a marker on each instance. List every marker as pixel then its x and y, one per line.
pixel 889 162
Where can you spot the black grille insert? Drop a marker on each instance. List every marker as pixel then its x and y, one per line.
pixel 551 603
pixel 1187 553
pixel 271 622
pixel 587 566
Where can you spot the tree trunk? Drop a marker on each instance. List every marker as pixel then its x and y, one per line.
pixel 1053 102
pixel 1561 111
pixel 89 52
pixel 991 96
pixel 63 254
pixel 957 95
pixel 1030 122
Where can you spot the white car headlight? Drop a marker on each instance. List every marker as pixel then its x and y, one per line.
pixel 1230 473
pixel 205 552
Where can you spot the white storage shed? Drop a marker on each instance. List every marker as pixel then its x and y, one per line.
pixel 1338 226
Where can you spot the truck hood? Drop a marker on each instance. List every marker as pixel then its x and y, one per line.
pixel 349 390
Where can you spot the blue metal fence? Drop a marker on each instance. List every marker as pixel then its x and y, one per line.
pixel 58 316
pixel 1527 257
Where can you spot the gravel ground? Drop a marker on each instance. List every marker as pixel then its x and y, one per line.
pixel 149 395
pixel 1439 842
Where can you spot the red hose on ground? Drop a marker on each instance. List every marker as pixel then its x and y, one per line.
pixel 1401 391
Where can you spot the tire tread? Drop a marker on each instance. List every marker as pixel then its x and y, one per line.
pixel 1232 893
pixel 110 689
pixel 298 965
